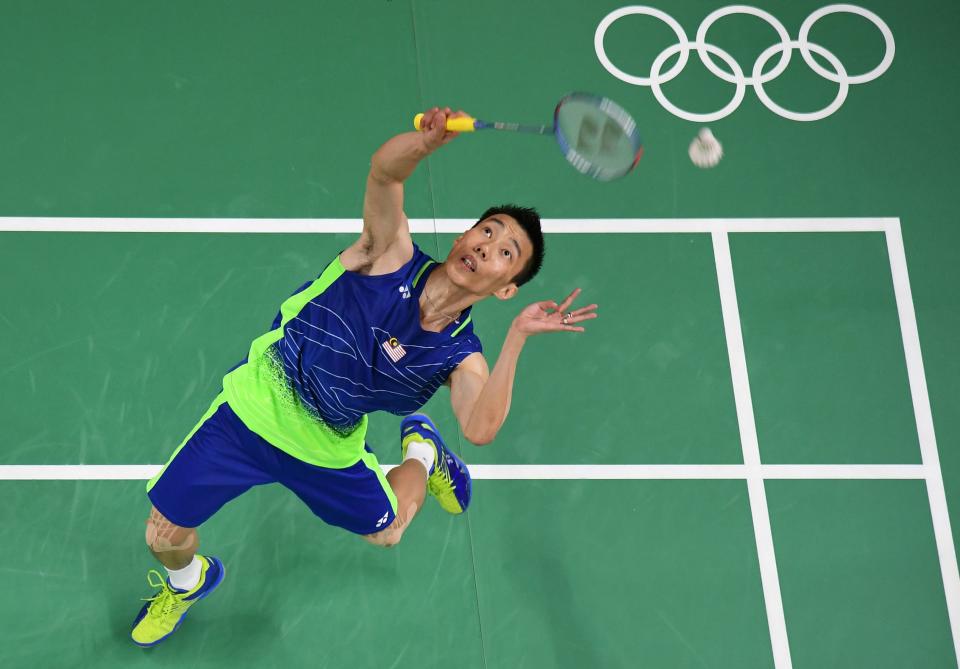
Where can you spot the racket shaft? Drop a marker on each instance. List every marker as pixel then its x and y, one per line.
pixel 517 127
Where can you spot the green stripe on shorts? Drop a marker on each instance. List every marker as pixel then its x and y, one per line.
pixel 370 460
pixel 212 410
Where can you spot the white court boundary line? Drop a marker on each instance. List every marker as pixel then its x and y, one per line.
pixel 928 441
pixel 444 225
pixel 752 470
pixel 524 472
pixel 751 452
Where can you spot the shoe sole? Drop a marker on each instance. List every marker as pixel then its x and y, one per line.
pixel 216 583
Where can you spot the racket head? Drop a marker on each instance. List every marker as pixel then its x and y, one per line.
pixel 597 136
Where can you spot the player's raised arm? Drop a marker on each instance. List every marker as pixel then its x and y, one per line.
pixel 384 223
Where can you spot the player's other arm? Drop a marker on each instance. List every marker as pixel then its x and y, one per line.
pixel 385 226
pixel 481 400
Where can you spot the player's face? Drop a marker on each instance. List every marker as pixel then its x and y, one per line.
pixel 487 257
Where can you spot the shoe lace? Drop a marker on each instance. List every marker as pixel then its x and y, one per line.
pixel 164 602
pixel 441 466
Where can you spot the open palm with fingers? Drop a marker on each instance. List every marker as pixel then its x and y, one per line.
pixel 548 316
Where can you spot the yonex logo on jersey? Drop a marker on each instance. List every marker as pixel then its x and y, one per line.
pixel 405 291
pixel 383 519
pixel 394 349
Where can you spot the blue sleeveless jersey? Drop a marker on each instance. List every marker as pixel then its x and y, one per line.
pixel 358 347
pixel 343 346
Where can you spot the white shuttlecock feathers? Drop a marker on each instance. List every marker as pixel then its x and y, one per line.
pixel 705 151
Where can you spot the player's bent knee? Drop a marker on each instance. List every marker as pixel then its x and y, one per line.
pixel 383 539
pixel 163 536
pixel 392 534
pixel 389 536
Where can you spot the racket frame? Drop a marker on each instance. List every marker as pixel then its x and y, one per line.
pixel 618 115
pixel 611 109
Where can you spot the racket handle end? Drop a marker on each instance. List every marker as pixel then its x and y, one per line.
pixel 462 124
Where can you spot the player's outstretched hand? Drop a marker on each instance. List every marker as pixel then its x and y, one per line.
pixel 548 316
pixel 433 125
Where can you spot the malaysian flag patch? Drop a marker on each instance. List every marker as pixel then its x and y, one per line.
pixel 394 349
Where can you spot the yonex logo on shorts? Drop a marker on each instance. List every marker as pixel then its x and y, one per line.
pixel 394 349
pixel 383 519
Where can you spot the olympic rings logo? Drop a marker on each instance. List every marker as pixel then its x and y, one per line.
pixel 736 75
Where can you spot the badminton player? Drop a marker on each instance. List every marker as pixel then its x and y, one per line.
pixel 381 328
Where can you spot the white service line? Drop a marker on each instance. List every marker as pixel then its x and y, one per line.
pixel 751 453
pixel 928 440
pixel 442 225
pixel 78 472
pixel 522 472
pixel 843 472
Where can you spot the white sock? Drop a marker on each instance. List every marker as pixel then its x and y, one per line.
pixel 423 453
pixel 188 577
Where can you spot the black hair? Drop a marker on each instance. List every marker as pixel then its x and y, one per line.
pixel 529 220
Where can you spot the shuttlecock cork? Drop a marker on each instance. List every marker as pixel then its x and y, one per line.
pixel 705 150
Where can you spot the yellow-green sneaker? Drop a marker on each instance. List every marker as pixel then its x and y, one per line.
pixel 449 480
pixel 162 614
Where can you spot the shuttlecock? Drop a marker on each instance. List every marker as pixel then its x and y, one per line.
pixel 705 150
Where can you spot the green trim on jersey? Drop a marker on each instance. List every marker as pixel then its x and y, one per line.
pixel 260 394
pixel 423 269
pixel 462 325
pixel 218 400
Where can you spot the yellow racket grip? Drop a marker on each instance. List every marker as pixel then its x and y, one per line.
pixel 462 124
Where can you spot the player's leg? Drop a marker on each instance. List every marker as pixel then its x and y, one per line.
pixel 189 578
pixel 209 469
pixel 449 479
pixel 409 483
pixel 427 464
pixel 174 547
pixel 358 498
pixel 379 507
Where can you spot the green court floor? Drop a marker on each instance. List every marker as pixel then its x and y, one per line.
pixel 114 343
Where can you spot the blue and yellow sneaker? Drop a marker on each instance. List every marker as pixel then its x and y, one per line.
pixel 449 480
pixel 162 614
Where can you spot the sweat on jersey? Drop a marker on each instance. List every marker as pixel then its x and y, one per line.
pixel 341 347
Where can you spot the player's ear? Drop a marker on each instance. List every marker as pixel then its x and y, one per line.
pixel 506 292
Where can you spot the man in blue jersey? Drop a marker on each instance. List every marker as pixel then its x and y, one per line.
pixel 380 329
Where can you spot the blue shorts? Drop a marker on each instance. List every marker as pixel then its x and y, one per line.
pixel 222 459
